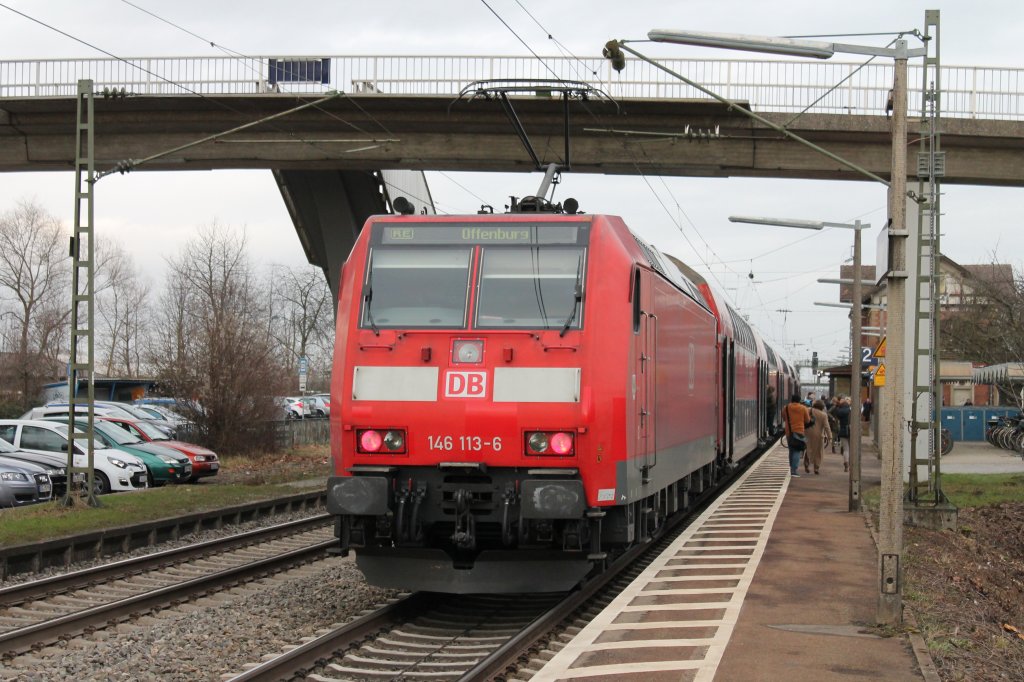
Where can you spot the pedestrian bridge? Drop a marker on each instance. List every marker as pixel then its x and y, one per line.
pixel 403 113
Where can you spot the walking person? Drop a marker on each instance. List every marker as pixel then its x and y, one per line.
pixel 816 434
pixel 842 413
pixel 795 418
pixel 833 422
pixel 866 410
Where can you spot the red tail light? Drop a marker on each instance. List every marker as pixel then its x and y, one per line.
pixel 558 443
pixel 385 441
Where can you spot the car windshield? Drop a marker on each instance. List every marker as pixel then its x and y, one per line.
pixel 416 287
pixel 530 287
pixel 154 432
pixel 136 412
pixel 117 434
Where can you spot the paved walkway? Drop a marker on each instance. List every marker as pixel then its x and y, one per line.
pixel 808 612
pixel 981 458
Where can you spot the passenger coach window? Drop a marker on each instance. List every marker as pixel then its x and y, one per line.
pixel 531 287
pixel 411 287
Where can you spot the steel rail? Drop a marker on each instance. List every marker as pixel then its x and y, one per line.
pixel 75 623
pixel 303 657
pixel 65 582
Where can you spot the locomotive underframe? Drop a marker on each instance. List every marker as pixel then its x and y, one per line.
pixel 467 529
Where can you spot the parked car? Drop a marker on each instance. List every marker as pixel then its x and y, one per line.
pixel 54 464
pixel 294 408
pixel 101 408
pixel 114 470
pixel 23 483
pixel 164 413
pixel 60 409
pixel 319 405
pixel 204 461
pixel 166 465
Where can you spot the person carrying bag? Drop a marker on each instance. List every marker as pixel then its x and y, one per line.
pixel 796 418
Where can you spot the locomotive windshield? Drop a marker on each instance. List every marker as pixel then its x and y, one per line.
pixel 524 276
pixel 532 287
pixel 417 287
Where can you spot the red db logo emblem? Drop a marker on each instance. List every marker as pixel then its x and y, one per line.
pixel 465 385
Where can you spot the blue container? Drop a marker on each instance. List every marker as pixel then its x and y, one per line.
pixel 951 419
pixel 974 423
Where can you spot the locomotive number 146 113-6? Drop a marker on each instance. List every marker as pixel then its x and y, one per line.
pixel 463 443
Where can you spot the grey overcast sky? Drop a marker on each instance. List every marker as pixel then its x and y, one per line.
pixel 152 213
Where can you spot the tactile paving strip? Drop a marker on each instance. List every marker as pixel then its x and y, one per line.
pixel 675 620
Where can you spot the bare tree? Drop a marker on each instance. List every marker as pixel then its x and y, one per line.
pixel 985 322
pixel 302 319
pixel 215 349
pixel 121 310
pixel 34 296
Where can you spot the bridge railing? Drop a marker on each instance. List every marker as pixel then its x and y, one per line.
pixel 768 85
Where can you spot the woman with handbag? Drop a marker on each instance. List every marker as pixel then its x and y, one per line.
pixel 795 417
pixel 818 433
pixel 843 413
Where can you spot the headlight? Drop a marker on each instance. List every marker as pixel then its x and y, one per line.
pixel 200 458
pixel 12 476
pixel 119 463
pixel 61 472
pixel 167 459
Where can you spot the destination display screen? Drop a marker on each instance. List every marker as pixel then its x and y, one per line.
pixel 481 233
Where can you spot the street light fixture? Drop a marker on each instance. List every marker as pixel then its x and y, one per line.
pixel 890 545
pixel 855 333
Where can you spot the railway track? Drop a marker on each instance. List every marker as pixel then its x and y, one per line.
pixel 44 611
pixel 459 637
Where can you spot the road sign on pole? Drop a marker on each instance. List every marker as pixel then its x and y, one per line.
pixel 303 367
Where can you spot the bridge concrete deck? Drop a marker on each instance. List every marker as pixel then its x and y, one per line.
pixel 375 131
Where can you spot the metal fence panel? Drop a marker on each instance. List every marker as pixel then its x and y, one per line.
pixel 768 85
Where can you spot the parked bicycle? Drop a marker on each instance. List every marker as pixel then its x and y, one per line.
pixel 947 442
pixel 1007 433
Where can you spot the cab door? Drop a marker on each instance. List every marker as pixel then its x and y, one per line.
pixel 645 337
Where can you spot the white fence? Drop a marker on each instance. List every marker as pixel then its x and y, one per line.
pixel 967 92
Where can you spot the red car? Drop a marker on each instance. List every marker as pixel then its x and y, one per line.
pixel 204 461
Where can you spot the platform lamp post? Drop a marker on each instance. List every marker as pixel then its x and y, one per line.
pixel 855 332
pixel 890 545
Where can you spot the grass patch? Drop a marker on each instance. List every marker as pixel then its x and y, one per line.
pixel 969 490
pixel 242 479
pixel 983 490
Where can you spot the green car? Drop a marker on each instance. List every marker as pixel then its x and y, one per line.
pixel 165 465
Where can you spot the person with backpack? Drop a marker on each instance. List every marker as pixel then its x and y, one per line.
pixel 795 419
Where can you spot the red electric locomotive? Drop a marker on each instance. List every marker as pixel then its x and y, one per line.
pixel 522 394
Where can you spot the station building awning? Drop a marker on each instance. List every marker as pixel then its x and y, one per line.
pixel 1012 372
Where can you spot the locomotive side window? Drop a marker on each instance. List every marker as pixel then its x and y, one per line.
pixel 531 287
pixel 416 287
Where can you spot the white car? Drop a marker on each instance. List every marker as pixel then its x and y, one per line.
pixel 115 470
pixel 294 408
pixel 319 405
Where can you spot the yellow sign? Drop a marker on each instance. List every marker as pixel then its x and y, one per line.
pixel 880 375
pixel 880 349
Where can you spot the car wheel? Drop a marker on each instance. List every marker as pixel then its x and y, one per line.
pixel 320 413
pixel 292 415
pixel 101 484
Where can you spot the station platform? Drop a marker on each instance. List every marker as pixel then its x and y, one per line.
pixel 810 610
pixel 777 581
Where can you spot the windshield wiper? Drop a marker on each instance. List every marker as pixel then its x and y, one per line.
pixel 368 298
pixel 577 297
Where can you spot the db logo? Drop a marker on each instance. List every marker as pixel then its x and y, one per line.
pixel 465 385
